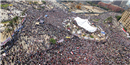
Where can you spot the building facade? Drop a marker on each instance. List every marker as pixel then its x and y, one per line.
pixel 117 2
pixel 120 2
pixel 123 3
pixel 125 20
pixel 111 7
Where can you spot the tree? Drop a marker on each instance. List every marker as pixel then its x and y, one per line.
pixel 35 2
pixel 118 18
pixel 43 2
pixel 109 19
pixel 52 41
pixel 125 29
pixel 16 17
pixel 15 21
pixel 11 25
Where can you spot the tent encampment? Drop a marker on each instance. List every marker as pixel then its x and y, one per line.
pixel 84 23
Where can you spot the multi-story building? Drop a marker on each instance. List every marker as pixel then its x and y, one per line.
pixel 123 3
pixel 120 2
pixel 117 2
pixel 125 20
pixel 106 1
pixel 111 7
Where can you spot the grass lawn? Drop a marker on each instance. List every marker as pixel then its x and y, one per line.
pixel 97 19
pixel 91 36
pixel 1 5
pixel 4 22
pixel 4 5
pixel 105 20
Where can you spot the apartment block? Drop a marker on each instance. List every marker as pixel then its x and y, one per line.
pixel 125 20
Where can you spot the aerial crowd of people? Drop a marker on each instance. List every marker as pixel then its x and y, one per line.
pixel 33 46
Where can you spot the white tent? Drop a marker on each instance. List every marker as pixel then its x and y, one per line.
pixel 84 23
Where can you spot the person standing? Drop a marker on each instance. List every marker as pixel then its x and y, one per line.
pixel 12 59
pixel 3 63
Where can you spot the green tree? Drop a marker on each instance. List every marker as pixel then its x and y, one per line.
pixel 109 19
pixel 10 25
pixel 43 2
pixel 125 29
pixel 52 41
pixel 35 2
pixel 118 18
pixel 91 36
pixel 15 21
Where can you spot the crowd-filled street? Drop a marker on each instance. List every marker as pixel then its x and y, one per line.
pixel 33 46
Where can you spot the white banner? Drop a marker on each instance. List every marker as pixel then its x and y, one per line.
pixel 3 43
pixel 60 40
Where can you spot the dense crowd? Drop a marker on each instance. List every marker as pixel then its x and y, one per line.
pixel 33 46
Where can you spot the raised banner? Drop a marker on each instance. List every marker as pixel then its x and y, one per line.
pixel 3 43
pixel 23 20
